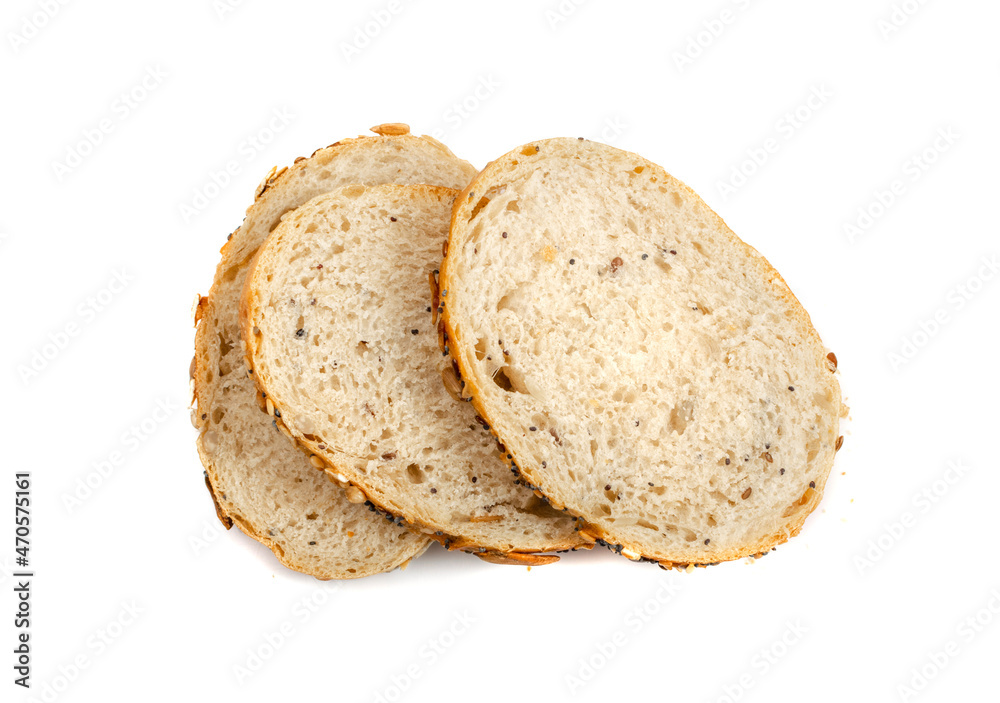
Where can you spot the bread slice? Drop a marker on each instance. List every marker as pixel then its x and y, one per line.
pixel 259 479
pixel 646 369
pixel 339 332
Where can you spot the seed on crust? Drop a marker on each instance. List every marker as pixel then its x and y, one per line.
pixel 840 443
pixel 269 405
pixel 316 461
pixel 485 518
pixel 831 361
pixel 630 554
pixel 354 494
pixel 391 129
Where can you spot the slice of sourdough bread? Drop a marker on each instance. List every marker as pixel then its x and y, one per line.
pixel 647 369
pixel 259 479
pixel 338 330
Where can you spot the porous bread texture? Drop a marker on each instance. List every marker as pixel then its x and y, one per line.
pixel 647 369
pixel 259 479
pixel 339 333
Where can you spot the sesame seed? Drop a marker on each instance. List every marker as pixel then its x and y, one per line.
pixel 607 487
pixel 674 252
pixel 812 484
pixel 300 332
pixel 474 479
pixel 544 464
pixel 504 235
pixel 645 256
pixel 533 428
pixel 434 490
pixel 746 493
pixel 707 541
pixel 572 261
pixel 428 309
pixel 312 544
pixel 727 462
pixel 414 331
pixel 782 472
pixel 791 388
pixel 392 219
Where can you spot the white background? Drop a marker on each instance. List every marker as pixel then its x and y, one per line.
pixel 846 611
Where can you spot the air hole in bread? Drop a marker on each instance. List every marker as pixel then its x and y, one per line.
pixel 354 191
pixel 610 495
pixel 483 202
pixel 224 345
pixel 480 348
pixel 632 226
pixel 641 522
pixel 680 416
pixel 639 169
pixel 500 378
pixel 529 150
pixel 512 206
pixel 678 201
pixel 415 474
pixel 540 508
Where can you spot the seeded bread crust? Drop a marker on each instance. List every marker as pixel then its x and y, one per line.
pixel 222 393
pixel 405 509
pixel 519 164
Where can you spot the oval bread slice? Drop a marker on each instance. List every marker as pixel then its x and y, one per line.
pixel 259 479
pixel 338 327
pixel 647 369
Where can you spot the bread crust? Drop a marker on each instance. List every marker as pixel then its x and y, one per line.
pixel 342 474
pixel 493 176
pixel 236 253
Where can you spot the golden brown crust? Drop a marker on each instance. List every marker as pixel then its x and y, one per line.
pixel 464 203
pixel 518 559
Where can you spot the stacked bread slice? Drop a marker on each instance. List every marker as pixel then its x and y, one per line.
pixel 601 360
